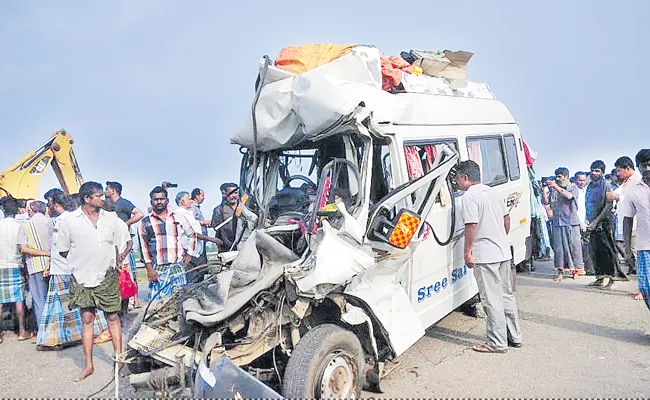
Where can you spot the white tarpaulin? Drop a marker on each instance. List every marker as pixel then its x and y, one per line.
pixel 293 108
pixel 301 107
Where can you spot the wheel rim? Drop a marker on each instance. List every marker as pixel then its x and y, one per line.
pixel 339 377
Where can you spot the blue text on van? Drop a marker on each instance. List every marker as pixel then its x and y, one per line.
pixel 426 291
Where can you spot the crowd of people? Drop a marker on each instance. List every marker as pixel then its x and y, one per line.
pixel 72 250
pixel 69 253
pixel 598 222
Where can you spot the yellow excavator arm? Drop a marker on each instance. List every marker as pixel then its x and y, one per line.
pixel 22 178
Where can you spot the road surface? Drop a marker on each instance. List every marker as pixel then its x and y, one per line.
pixel 578 341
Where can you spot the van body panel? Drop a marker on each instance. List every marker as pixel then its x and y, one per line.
pixel 437 280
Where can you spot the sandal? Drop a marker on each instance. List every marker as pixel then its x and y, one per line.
pixel 597 282
pixel 103 337
pixel 484 348
pixel 637 296
pixel 23 338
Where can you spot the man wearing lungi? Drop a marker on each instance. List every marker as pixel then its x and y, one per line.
pixel 600 226
pixel 161 235
pixel 35 244
pixel 59 325
pixel 88 238
pixel 12 283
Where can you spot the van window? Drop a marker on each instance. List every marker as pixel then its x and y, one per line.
pixel 512 156
pixel 381 176
pixel 422 157
pixel 487 152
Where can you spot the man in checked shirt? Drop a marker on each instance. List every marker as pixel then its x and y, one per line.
pixel 161 233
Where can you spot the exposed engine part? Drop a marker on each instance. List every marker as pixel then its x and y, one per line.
pixel 262 330
pixel 301 308
pixel 167 380
pixel 237 323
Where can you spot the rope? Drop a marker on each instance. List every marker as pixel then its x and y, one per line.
pixel 108 384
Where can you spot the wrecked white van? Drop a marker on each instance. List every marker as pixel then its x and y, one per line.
pixel 354 243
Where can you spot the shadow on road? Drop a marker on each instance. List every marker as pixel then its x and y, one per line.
pixel 76 354
pixel 623 335
pixel 102 353
pixel 531 281
pixel 453 336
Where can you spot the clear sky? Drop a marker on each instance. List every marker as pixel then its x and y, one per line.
pixel 152 90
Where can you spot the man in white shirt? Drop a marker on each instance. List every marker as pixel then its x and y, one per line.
pixel 637 204
pixel 582 182
pixel 629 178
pixel 59 325
pixel 487 251
pixel 23 215
pixel 89 239
pixel 185 208
pixel 12 283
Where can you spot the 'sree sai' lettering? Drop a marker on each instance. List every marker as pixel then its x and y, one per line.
pixel 436 287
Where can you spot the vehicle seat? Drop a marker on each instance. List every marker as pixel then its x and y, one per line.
pixel 288 200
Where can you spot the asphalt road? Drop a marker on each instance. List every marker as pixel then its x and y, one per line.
pixel 578 341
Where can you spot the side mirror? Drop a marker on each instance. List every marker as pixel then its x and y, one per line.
pixel 397 232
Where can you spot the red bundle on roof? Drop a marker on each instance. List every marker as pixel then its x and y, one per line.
pixel 391 71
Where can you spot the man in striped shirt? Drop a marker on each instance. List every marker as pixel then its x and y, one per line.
pixel 35 243
pixel 161 233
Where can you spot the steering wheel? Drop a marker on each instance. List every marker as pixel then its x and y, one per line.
pixel 303 178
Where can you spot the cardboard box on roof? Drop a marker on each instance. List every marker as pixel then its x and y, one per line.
pixel 443 64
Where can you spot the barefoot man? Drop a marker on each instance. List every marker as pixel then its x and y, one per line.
pixel 88 240
pixel 638 205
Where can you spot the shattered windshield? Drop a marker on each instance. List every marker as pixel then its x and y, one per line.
pixel 293 183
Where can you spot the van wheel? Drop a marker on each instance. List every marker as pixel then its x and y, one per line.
pixel 328 362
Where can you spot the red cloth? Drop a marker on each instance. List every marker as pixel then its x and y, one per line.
pixel 391 71
pixel 413 162
pixel 127 286
pixel 529 159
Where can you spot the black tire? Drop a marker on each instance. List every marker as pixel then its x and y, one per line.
pixel 320 350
